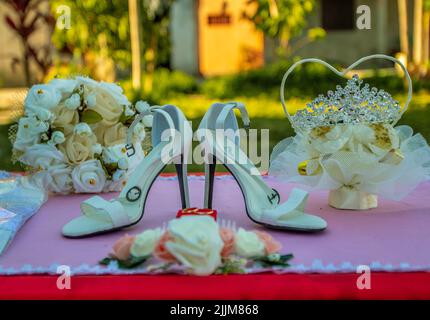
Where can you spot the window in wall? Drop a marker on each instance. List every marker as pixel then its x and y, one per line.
pixel 337 14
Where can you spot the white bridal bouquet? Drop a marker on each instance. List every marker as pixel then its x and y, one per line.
pixel 347 142
pixel 72 137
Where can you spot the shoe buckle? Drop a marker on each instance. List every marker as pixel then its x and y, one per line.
pixel 133 194
pixel 129 147
pixel 273 196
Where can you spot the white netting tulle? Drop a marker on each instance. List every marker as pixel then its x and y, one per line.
pixel 350 159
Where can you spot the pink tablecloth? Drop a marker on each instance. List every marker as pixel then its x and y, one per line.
pixel 394 237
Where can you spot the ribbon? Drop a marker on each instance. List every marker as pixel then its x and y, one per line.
pixel 310 167
pixel 394 157
pixel 197 212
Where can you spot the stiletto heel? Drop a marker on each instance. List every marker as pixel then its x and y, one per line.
pixel 100 216
pixel 181 170
pixel 261 201
pixel 209 182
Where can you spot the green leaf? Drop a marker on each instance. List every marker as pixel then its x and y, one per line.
pixel 230 266
pixel 90 116
pixel 132 262
pixel 106 261
pixel 316 34
pixel 110 168
pixel 287 257
pixel 126 120
pixel 267 261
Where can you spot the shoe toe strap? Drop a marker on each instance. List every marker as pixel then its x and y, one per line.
pixel 293 207
pixel 97 207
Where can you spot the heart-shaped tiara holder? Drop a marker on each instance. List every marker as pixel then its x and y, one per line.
pixel 352 104
pixel 356 103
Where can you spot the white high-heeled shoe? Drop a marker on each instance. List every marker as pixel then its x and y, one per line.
pixel 218 137
pixel 171 141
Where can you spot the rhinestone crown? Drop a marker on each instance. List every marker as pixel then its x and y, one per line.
pixel 353 104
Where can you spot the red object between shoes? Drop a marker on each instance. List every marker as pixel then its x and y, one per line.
pixel 197 212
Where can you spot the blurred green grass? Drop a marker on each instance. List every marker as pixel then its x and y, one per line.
pixel 259 90
pixel 265 112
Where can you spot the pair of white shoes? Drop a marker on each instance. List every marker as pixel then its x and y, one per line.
pixel 172 140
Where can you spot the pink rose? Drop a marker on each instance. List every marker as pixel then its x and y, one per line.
pixel 121 248
pixel 270 244
pixel 161 251
pixel 227 236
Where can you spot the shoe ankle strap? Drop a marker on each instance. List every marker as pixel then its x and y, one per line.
pixel 221 119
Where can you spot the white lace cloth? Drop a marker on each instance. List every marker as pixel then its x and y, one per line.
pixel 362 170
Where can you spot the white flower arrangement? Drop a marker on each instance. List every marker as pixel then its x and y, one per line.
pixel 72 136
pixel 198 245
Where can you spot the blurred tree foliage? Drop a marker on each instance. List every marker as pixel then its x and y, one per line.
pixel 98 41
pixel 283 20
pixel 26 18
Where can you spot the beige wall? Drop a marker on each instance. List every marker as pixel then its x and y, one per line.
pixel 348 46
pixel 229 47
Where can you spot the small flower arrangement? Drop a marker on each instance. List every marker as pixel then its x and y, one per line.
pixel 72 136
pixel 201 246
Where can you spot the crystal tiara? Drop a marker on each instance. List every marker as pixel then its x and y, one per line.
pixel 352 104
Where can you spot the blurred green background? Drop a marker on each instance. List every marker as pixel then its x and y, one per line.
pixel 162 51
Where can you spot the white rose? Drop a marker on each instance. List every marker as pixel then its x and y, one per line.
pixel 386 138
pixel 83 129
pixel 91 100
pixel 65 86
pixel 57 137
pixel 142 106
pixel 111 186
pixel 42 96
pixel 42 156
pixel 139 132
pixel 324 140
pixel 248 244
pixel 363 134
pixel 110 136
pixel 44 137
pixel 111 155
pixel 108 100
pixel 144 243
pixel 65 118
pixel 74 102
pixel 87 81
pixel 115 153
pixel 97 148
pixel 118 175
pixel 147 120
pixel 43 114
pixel 78 148
pixel 29 132
pixel 196 243
pixel 89 177
pixel 123 163
pixel 128 111
pixel 59 179
pixel 116 91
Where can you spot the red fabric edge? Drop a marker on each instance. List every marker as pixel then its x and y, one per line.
pixel 414 285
